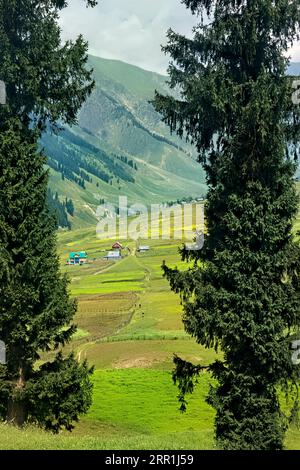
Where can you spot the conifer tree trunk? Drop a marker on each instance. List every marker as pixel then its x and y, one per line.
pixel 17 410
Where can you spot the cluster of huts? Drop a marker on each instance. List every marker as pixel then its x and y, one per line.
pixel 81 257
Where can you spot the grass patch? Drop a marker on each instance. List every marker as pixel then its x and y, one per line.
pixel 146 401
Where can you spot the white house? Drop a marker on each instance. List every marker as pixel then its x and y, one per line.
pixel 113 255
pixel 143 249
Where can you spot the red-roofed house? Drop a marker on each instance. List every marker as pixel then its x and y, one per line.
pixel 117 246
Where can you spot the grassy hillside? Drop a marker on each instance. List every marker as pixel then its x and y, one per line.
pixel 137 81
pixel 121 147
pixel 129 327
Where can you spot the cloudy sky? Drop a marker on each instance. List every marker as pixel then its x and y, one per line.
pixel 130 30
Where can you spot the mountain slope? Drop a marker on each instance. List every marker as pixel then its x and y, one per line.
pixel 120 147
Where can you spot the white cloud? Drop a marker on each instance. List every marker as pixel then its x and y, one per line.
pixel 295 52
pixel 131 30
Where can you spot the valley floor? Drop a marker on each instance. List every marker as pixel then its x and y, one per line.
pixel 129 327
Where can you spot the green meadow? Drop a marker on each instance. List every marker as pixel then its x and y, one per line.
pixel 129 328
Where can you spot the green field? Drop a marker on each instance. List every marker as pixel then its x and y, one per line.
pixel 129 328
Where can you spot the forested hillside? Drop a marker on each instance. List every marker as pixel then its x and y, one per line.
pixel 120 146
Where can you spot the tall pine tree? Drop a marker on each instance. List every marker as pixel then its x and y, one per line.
pixel 242 294
pixel 46 82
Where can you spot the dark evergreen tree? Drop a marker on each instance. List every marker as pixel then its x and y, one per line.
pixel 59 209
pixel 70 207
pixel 46 82
pixel 242 294
pixel 34 302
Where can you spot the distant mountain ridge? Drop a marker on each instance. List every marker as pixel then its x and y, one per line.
pixel 121 147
